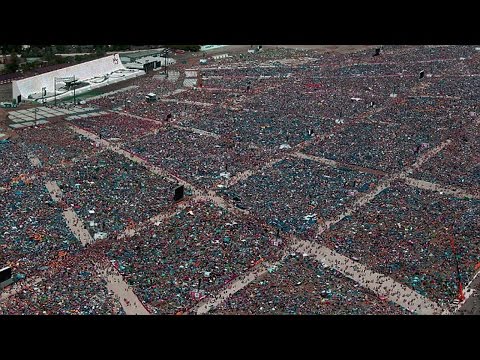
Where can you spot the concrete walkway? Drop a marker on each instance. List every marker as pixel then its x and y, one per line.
pixel 35 161
pixel 156 220
pixel 337 164
pixel 115 283
pixel 55 192
pixel 196 131
pixel 211 303
pixel 383 184
pixel 77 227
pixel 187 102
pixel 450 190
pixel 74 223
pixel 19 286
pixel 378 283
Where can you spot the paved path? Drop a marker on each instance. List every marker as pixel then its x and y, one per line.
pixel 211 303
pixel 77 227
pixel 450 190
pixel 337 164
pixel 156 220
pixel 75 224
pixel 35 161
pixel 55 192
pixel 383 184
pixel 378 283
pixel 196 131
pixel 188 102
pixel 115 283
pixel 19 286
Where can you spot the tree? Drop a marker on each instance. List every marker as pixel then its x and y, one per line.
pixel 193 48
pixel 13 65
pixel 120 47
pixel 100 50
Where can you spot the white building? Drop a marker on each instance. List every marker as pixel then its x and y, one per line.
pixel 88 75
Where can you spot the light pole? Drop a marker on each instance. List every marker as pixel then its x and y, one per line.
pixel 165 54
pixel 461 296
pixel 73 83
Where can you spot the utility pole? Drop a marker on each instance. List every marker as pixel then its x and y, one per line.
pixel 165 53
pixel 461 295
pixel 73 90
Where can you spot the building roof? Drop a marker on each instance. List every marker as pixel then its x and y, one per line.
pixel 140 54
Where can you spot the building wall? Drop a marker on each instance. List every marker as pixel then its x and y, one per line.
pixel 87 70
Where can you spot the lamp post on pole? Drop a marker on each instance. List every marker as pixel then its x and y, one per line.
pixel 165 54
pixel 73 83
pixel 461 295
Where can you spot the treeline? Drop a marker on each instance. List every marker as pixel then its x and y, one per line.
pixel 193 48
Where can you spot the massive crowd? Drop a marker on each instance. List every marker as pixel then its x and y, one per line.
pixel 297 194
pixel 71 286
pixel 462 161
pixel 358 109
pixel 198 250
pixel 32 228
pixel 55 144
pixel 13 161
pixel 198 158
pixel 116 126
pixel 300 285
pixel 405 233
pixel 111 193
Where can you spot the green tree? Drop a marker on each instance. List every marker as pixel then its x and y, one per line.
pixel 100 50
pixel 14 63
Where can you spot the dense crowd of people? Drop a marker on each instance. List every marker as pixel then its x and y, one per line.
pixel 462 161
pixel 199 249
pixel 358 109
pixel 405 233
pixel 301 285
pixel 71 286
pixel 111 193
pixel 117 126
pixel 13 161
pixel 32 228
pixel 200 159
pixel 55 144
pixel 295 195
